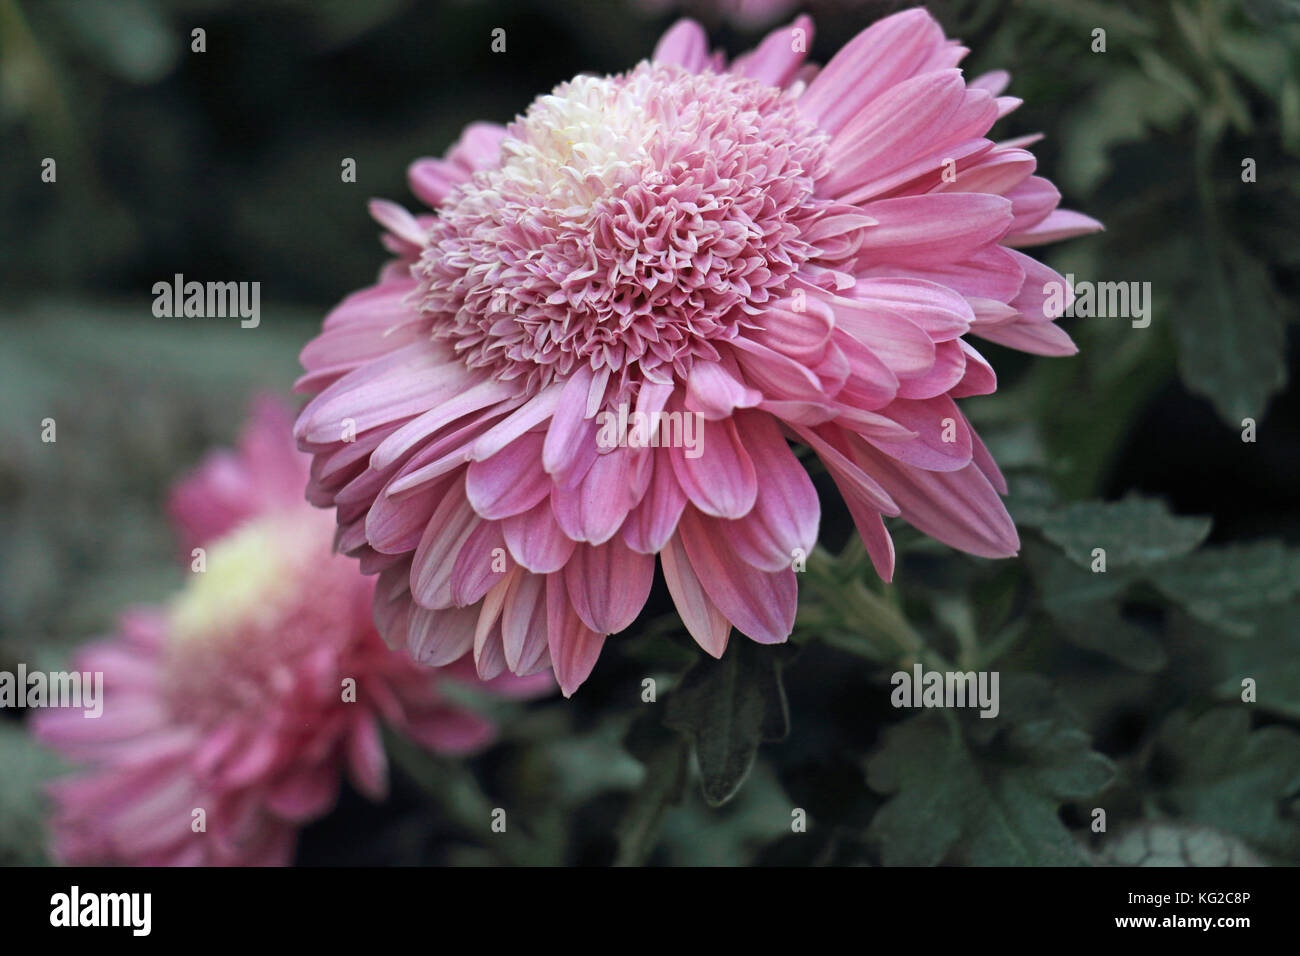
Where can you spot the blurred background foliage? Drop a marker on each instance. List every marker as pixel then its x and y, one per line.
pixel 1120 691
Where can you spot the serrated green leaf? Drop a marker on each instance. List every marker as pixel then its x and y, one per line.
pixel 988 803
pixel 1085 607
pixel 1121 109
pixel 1231 338
pixel 1214 770
pixel 1135 532
pixel 1220 585
pixel 1270 657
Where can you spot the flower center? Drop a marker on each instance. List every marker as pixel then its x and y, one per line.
pixel 633 221
pixel 249 577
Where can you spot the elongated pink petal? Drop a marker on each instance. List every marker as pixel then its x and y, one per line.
pixel 1060 224
pixel 886 53
pixel 535 539
pixel 524 622
pixel 435 557
pixel 367 762
pixel 438 637
pixel 943 439
pixel 935 229
pixel 783 522
pixel 718 475
pixel 959 508
pixel 1037 338
pixel 685 44
pixel 510 482
pixel 608 584
pixel 574 647
pixel 715 393
pixel 759 604
pixel 902 345
pixel 481 563
pixel 651 523
pixel 704 622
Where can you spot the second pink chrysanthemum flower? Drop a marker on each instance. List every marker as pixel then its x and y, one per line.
pixel 773 251
pixel 232 714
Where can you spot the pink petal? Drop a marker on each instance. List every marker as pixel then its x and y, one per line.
pixel 902 345
pixel 761 605
pixel 367 763
pixel 1037 338
pixel 406 382
pixel 440 545
pixel 596 510
pixel 608 584
pixel 721 480
pixel 786 513
pixel 714 392
pixel 931 419
pixel 686 45
pixel 480 564
pixel 941 312
pixel 775 60
pixel 511 481
pixel 948 369
pixel 574 646
pixel 704 622
pixel 934 229
pixel 570 446
pixel 306 793
pixel 649 526
pixel 439 637
pixel 1061 224
pixel 878 58
pixel 959 508
pixel 523 622
pixel 535 539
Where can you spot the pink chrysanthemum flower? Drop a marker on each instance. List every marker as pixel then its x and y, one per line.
pixel 787 252
pixel 252 693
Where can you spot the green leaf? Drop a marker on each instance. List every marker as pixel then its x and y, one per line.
pixel 760 814
pixel 1268 657
pixel 1121 109
pixel 1085 608
pixel 1214 770
pixel 1031 500
pixel 728 707
pixel 1135 532
pixel 987 793
pixel 1231 337
pixel 1103 629
pixel 1220 586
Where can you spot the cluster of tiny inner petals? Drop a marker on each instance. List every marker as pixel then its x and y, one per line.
pixel 266 600
pixel 633 221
